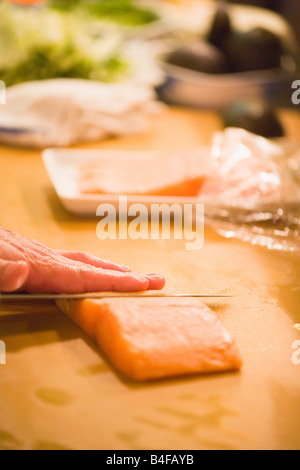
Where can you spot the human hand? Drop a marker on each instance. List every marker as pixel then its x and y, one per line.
pixel 29 266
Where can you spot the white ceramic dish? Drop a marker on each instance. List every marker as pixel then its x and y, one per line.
pixel 61 167
pixel 200 90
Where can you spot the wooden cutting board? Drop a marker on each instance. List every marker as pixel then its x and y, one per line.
pixel 59 392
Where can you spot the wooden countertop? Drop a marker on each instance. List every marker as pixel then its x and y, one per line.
pixel 57 390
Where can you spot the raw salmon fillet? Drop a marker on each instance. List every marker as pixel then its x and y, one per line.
pixel 180 174
pixel 148 339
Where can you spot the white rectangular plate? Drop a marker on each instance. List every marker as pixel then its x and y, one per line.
pixel 61 166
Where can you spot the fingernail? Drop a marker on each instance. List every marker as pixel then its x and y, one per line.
pixel 126 269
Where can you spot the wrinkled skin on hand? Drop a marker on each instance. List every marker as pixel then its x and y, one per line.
pixel 28 266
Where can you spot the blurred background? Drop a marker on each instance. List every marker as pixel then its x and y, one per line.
pixel 207 54
pixel 289 9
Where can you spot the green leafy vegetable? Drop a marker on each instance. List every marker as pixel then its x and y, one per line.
pixel 120 11
pixel 65 5
pixel 36 45
pixel 49 61
pixel 70 39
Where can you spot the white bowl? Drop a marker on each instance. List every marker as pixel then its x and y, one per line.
pixel 202 90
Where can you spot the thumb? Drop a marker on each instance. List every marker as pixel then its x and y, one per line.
pixel 13 275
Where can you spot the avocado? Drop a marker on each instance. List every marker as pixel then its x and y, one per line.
pixel 221 26
pixel 257 117
pixel 199 56
pixel 257 49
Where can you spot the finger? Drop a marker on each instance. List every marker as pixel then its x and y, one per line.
pixel 93 261
pixel 76 279
pixel 107 280
pixel 12 275
pixel 156 281
pixel 112 282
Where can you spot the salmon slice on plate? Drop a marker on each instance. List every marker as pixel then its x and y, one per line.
pixel 160 174
pixel 147 339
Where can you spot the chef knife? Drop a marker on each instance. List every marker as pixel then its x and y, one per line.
pixel 103 295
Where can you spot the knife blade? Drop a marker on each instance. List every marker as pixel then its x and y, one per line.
pixel 103 295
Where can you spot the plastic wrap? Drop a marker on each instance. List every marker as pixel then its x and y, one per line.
pixel 254 191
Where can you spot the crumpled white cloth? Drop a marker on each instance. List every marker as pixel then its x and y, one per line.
pixel 63 112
